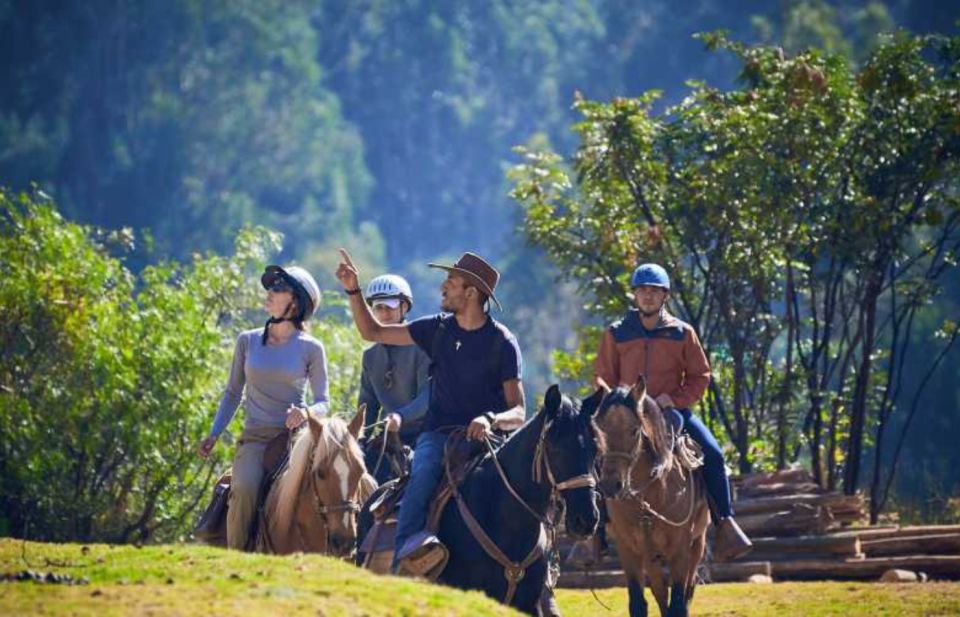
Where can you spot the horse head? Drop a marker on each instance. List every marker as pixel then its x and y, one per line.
pixel 570 447
pixel 337 478
pixel 629 420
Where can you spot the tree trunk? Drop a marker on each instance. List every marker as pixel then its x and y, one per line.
pixel 851 476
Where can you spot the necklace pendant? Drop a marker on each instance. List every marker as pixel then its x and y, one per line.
pixel 457 345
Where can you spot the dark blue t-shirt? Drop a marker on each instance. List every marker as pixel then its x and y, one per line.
pixel 466 380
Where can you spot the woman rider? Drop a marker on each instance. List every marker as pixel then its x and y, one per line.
pixel 272 367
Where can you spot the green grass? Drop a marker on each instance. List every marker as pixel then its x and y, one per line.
pixel 785 599
pixel 198 580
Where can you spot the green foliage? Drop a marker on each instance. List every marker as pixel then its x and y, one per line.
pixel 804 217
pixel 108 380
pixel 190 120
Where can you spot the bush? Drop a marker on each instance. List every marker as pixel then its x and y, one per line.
pixel 109 379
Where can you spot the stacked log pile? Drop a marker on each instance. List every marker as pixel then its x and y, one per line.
pixel 801 532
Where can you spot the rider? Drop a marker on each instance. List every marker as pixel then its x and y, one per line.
pixel 475 380
pixel 271 367
pixel 395 379
pixel 651 342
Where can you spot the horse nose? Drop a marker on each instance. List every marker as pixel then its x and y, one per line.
pixel 340 545
pixel 611 487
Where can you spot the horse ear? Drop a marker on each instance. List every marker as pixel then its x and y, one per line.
pixel 639 389
pixel 591 404
pixel 356 425
pixel 316 427
pixel 552 400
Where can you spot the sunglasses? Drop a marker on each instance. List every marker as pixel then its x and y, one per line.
pixel 279 286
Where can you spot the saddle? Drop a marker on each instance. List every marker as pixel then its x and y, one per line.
pixel 461 458
pixel 686 451
pixel 211 528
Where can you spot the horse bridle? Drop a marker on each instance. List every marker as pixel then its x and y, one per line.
pixel 515 571
pixel 637 495
pixel 321 509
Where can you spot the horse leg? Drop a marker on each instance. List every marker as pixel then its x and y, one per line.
pixel 633 568
pixel 658 585
pixel 678 599
pixel 697 548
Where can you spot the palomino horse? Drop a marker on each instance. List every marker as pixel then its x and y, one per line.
pixel 656 500
pixel 312 506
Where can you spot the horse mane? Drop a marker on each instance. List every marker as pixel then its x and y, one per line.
pixel 334 436
pixel 653 425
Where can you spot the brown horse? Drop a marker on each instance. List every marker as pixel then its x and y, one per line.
pixel 313 504
pixel 656 500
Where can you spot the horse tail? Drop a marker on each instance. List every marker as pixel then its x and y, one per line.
pixel 288 486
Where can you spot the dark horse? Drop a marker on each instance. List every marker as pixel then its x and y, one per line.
pixel 386 456
pixel 550 458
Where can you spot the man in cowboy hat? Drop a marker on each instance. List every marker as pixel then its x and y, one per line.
pixel 475 381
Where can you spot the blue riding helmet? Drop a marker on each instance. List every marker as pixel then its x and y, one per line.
pixel 650 274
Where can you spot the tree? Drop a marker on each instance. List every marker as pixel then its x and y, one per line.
pixel 802 215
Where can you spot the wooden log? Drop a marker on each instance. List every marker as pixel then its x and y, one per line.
pixel 599 579
pixel 734 571
pixel 801 519
pixel 777 488
pixel 895 531
pixel 713 573
pixel 942 566
pixel 781 548
pixel 795 476
pixel 939 544
pixel 866 532
pixel 836 502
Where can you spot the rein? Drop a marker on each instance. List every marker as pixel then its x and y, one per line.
pixel 513 571
pixel 321 509
pixel 637 495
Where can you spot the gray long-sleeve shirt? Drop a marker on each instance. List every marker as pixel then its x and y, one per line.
pixel 273 377
pixel 406 392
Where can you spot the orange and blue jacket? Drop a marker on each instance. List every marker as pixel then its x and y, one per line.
pixel 669 356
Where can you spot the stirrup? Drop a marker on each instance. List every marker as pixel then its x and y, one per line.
pixel 423 555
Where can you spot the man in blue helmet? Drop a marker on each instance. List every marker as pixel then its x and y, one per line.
pixel 649 341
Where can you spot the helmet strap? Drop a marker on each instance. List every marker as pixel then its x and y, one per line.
pixel 272 320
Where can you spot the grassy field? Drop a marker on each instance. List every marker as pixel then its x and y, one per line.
pixel 195 580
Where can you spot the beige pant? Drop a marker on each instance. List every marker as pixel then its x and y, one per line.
pixel 245 484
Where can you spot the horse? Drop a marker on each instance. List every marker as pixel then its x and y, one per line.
pixel 385 456
pixel 313 503
pixel 498 525
pixel 656 500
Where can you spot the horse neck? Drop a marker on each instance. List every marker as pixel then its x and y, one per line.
pixel 516 459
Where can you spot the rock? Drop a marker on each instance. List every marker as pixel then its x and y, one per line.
pixel 899 576
pixel 760 578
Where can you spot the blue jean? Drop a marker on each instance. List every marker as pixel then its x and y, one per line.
pixel 714 471
pixel 424 477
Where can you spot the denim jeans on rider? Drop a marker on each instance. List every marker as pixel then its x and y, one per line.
pixel 424 477
pixel 714 471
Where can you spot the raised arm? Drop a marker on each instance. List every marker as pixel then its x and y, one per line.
pixel 370 329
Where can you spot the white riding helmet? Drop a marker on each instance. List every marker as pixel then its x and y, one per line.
pixel 303 284
pixel 390 286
